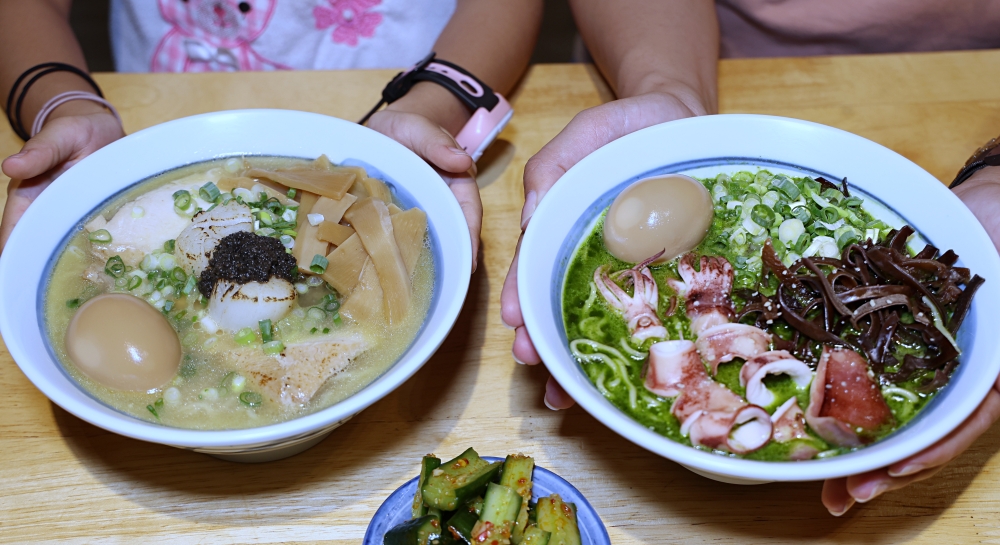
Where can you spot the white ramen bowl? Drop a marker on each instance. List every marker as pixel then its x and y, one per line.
pixel 706 146
pixel 41 233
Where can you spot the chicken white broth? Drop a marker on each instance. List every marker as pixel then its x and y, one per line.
pixel 287 284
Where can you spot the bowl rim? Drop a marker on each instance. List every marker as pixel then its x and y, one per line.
pixel 406 490
pixel 723 136
pixel 226 126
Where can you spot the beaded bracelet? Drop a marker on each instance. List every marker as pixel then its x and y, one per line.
pixel 13 109
pixel 63 98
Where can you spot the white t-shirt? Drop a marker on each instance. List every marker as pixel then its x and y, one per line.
pixel 230 35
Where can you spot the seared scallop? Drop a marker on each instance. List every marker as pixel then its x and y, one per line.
pixel 197 241
pixel 235 306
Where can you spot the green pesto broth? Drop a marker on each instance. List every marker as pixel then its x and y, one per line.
pixel 616 367
pixel 206 392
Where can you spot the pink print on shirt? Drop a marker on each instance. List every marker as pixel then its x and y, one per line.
pixel 213 36
pixel 351 19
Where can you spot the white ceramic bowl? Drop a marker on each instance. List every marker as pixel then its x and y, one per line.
pixel 42 231
pixel 703 147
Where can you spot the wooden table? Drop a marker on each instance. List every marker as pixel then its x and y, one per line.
pixel 64 480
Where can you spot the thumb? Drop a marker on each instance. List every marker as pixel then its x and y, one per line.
pixel 54 145
pixel 432 143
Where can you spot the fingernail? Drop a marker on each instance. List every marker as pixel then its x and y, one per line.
pixel 519 362
pixel 549 405
pixel 907 470
pixel 847 507
pixel 18 155
pixel 505 324
pixel 530 202
pixel 459 151
pixel 876 492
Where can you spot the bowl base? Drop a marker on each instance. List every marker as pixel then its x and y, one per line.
pixel 273 451
pixel 723 478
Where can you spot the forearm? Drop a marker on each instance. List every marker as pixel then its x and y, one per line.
pixel 34 32
pixel 643 46
pixel 492 40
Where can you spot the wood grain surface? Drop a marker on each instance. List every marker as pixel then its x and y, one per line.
pixel 62 480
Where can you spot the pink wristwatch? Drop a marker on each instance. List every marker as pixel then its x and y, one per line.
pixel 490 111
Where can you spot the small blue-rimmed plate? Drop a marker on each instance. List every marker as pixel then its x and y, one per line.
pixel 396 509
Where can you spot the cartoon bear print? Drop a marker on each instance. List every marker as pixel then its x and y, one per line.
pixel 213 36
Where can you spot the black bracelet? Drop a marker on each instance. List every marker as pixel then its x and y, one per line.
pixel 13 109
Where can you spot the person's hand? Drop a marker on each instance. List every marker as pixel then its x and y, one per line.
pixel 981 193
pixel 63 142
pixel 436 146
pixel 588 131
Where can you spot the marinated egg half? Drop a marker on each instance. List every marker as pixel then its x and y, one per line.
pixel 122 342
pixel 668 213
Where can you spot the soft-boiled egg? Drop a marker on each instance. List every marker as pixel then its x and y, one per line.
pixel 668 213
pixel 124 343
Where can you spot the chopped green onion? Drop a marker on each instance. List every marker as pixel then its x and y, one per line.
pixel 786 186
pixel 316 313
pixel 101 235
pixel 180 315
pixel 291 193
pixel 274 348
pixel 266 331
pixel 266 218
pixel 251 399
pixel 115 267
pixel 336 319
pixel 73 303
pixel 245 336
pixel 209 192
pixel 319 264
pixel 801 213
pixel 832 194
pixel 327 329
pixel 182 199
pixel 227 380
pixel 290 232
pixel 313 330
pixel 152 410
pixel 169 246
pixel 134 283
pixel 189 285
pixel 168 306
pixel 329 303
pixel 829 214
pixel 762 215
pixel 178 275
pixel 853 202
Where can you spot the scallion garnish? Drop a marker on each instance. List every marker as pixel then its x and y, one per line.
pixel 251 399
pixel 762 215
pixel 182 199
pixel 319 264
pixel 134 283
pixel 73 303
pixel 152 410
pixel 115 267
pixel 265 217
pixel 101 236
pixel 291 193
pixel 168 306
pixel 266 331
pixel 245 336
pixel 273 348
pixel 178 275
pixel 327 329
pixel 209 192
pixel 169 245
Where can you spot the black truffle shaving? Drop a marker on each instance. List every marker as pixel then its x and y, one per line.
pixel 246 257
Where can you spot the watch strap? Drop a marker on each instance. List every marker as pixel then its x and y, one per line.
pixel 986 156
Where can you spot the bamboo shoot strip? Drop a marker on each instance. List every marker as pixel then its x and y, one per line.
pixel 365 303
pixel 409 228
pixel 307 244
pixel 346 264
pixel 326 183
pixel 377 189
pixel 393 209
pixel 272 189
pixel 370 218
pixel 333 210
pixel 336 234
